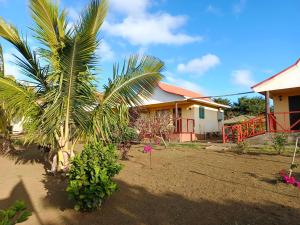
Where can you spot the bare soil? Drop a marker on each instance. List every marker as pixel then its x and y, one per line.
pixel 186 185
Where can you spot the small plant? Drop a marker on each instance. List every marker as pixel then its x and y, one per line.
pixel 124 138
pixel 279 142
pixel 90 176
pixel 243 146
pixel 17 213
pixel 284 177
pixel 148 149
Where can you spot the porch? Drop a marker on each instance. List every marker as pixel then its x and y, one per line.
pixel 183 130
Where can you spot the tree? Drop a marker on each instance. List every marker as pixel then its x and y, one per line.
pixel 250 106
pixel 224 101
pixel 155 128
pixel 1 62
pixel 5 115
pixel 59 103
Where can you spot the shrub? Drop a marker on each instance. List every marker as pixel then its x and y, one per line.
pixel 243 146
pixel 17 213
pixel 123 138
pixel 90 176
pixel 279 142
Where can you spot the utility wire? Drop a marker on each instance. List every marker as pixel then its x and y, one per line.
pixel 217 96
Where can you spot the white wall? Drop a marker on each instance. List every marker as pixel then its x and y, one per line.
pixel 160 96
pixel 17 126
pixel 290 78
pixel 210 122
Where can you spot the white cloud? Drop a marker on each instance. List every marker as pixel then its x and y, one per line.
pixel 172 79
pixel 132 7
pixel 213 10
pixel 199 65
pixel 105 52
pixel 141 27
pixel 242 77
pixel 239 7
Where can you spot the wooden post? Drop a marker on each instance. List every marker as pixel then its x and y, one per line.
pixel 267 100
pixel 176 116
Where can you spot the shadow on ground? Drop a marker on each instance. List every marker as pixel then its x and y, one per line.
pixel 27 154
pixel 135 205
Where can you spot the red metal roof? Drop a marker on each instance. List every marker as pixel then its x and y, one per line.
pixel 270 78
pixel 178 90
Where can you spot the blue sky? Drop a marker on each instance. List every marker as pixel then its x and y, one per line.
pixel 216 47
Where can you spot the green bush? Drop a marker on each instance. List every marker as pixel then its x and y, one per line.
pixel 243 146
pixel 90 176
pixel 279 142
pixel 17 213
pixel 123 137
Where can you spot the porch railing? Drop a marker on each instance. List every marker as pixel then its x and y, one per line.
pixel 284 121
pixel 184 125
pixel 239 132
pixel 278 122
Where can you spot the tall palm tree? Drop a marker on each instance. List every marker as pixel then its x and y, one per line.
pixel 58 102
pixel 1 62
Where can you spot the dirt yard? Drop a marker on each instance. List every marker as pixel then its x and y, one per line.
pixel 186 185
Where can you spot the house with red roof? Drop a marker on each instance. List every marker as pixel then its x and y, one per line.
pixel 193 115
pixel 284 89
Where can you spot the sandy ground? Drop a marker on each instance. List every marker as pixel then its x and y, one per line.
pixel 186 186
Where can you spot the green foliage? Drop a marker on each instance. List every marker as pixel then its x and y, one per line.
pixel 17 213
pixel 224 101
pixel 243 146
pixel 253 106
pixel 124 135
pixel 279 141
pixel 90 176
pixel 250 106
pixel 59 102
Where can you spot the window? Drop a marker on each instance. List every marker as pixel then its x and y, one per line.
pixel 201 112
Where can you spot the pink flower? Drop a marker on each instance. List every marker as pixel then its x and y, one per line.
pixel 290 180
pixel 147 148
pixel 286 179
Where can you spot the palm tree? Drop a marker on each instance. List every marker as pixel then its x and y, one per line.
pixel 58 102
pixel 5 116
pixel 1 62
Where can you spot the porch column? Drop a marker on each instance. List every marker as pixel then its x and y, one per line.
pixel 176 116
pixel 267 110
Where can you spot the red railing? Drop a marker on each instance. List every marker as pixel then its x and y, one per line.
pixel 184 125
pixel 284 121
pixel 244 130
pixel 278 122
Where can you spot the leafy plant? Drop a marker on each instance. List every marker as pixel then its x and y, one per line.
pixel 123 135
pixel 59 102
pixel 17 213
pixel 124 141
pixel 90 176
pixel 279 141
pixel 243 146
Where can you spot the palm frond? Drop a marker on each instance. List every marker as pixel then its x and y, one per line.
pixel 28 61
pixel 18 99
pixel 50 24
pixel 93 17
pixel 134 83
pixel 130 85
pixel 76 93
